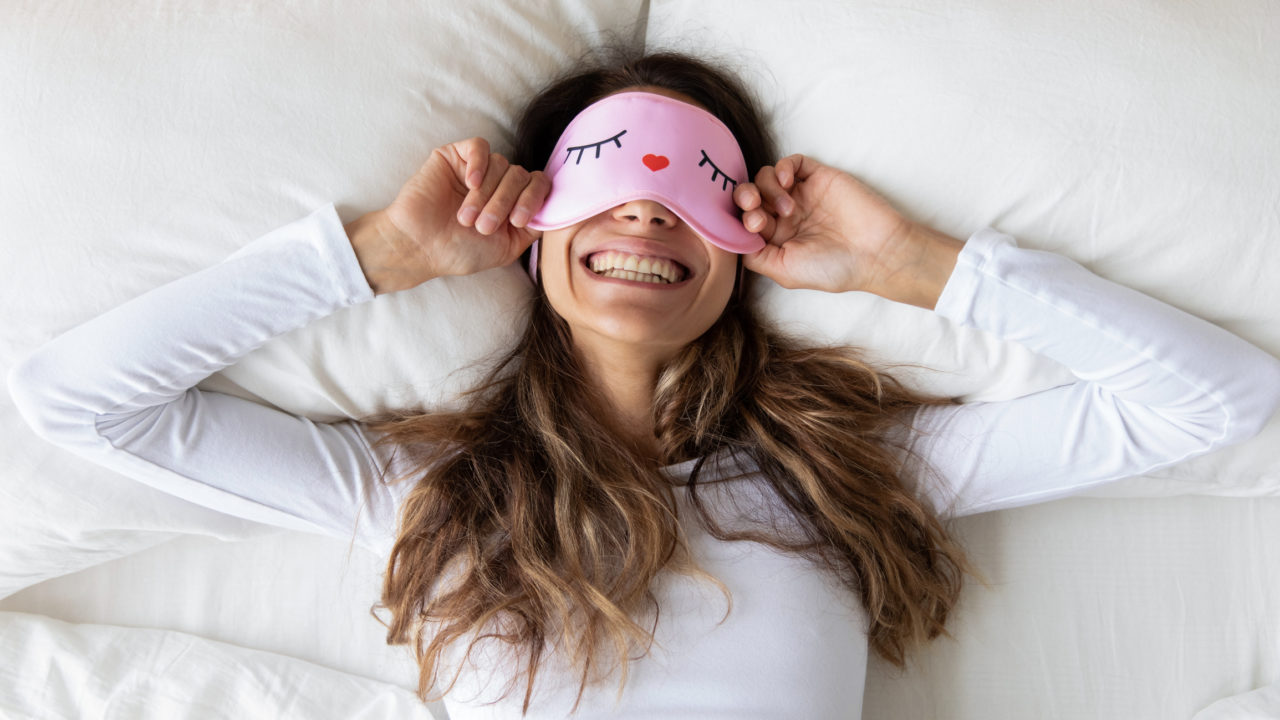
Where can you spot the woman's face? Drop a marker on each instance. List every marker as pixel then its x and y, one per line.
pixel 682 282
pixel 678 284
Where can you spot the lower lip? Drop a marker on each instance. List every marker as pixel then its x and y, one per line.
pixel 633 283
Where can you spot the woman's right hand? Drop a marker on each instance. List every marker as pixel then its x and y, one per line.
pixel 463 212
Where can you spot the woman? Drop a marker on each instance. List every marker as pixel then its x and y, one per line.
pixel 654 507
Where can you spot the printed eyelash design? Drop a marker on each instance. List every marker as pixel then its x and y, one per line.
pixel 706 160
pixel 597 146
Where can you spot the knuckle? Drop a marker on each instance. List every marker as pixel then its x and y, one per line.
pixel 470 149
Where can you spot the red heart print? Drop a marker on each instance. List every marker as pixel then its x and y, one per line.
pixel 655 162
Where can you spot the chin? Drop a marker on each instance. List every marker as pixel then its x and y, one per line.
pixel 644 330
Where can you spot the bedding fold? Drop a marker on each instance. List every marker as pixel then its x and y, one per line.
pixel 54 669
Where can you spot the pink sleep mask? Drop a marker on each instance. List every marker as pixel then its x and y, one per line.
pixel 636 145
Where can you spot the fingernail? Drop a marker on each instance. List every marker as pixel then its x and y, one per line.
pixel 519 217
pixel 474 180
pixel 468 215
pixel 786 205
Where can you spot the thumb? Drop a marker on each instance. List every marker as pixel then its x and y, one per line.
pixel 520 239
pixel 525 238
pixel 767 261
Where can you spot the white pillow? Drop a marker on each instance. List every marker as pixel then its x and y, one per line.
pixel 1140 140
pixel 142 142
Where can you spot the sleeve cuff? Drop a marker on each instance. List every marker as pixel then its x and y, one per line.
pixel 956 303
pixel 335 248
pixel 324 233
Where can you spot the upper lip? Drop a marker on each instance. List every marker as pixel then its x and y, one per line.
pixel 641 246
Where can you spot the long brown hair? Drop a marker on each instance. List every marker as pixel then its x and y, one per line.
pixel 531 524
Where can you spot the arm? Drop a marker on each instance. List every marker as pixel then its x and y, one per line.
pixel 1155 386
pixel 118 390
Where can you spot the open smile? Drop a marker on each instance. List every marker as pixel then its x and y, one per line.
pixel 619 265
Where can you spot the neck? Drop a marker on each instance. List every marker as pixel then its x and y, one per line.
pixel 626 375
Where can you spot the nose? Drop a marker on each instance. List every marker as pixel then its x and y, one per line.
pixel 646 213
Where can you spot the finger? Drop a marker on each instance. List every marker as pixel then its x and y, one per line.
pixel 746 196
pixel 803 166
pixel 786 169
pixel 760 221
pixel 773 192
pixel 479 197
pixel 470 161
pixel 766 261
pixel 498 209
pixel 475 156
pixel 531 198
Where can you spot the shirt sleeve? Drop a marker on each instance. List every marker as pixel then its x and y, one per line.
pixel 119 390
pixel 1154 385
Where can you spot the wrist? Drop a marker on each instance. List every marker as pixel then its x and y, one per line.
pixel 380 248
pixel 922 263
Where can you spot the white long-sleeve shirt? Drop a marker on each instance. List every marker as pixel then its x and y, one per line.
pixel 1155 386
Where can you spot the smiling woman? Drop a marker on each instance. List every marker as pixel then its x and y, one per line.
pixel 565 511
pixel 565 516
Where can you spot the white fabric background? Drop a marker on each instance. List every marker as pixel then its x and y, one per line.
pixel 139 142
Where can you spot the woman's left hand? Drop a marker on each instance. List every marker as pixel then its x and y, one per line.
pixel 827 231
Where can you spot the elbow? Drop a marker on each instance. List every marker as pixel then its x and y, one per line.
pixel 1268 395
pixel 39 400
pixel 1252 407
pixel 1216 416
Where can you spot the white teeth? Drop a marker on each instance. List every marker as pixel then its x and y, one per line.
pixel 634 276
pixel 613 263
